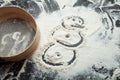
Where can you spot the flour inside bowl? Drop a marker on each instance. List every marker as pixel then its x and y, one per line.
pixel 15 35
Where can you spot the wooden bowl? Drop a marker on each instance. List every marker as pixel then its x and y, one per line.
pixel 9 12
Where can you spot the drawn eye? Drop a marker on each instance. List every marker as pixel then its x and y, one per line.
pixel 67 35
pixel 81 21
pixel 118 23
pixel 58 54
pixel 73 19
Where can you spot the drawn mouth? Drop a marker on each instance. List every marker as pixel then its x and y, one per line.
pixel 74 25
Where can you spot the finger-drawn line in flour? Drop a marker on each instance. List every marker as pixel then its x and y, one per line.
pixel 15 36
pixel 3 41
pixel 112 27
pixel 116 75
pixel 117 23
pixel 54 57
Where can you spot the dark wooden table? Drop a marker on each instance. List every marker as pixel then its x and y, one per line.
pixel 27 69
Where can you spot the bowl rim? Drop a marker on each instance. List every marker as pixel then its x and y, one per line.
pixel 8 12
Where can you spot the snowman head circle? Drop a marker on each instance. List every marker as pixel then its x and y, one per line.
pixel 72 22
pixel 84 23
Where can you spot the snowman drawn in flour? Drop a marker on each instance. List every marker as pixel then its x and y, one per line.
pixel 63 51
pixel 75 36
pixel 69 36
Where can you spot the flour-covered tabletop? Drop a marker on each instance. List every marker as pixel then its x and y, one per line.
pixel 80 40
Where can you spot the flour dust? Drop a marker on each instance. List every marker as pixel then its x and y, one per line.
pixel 99 46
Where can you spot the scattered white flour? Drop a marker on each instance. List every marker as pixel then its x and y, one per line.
pixel 66 3
pixel 97 48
